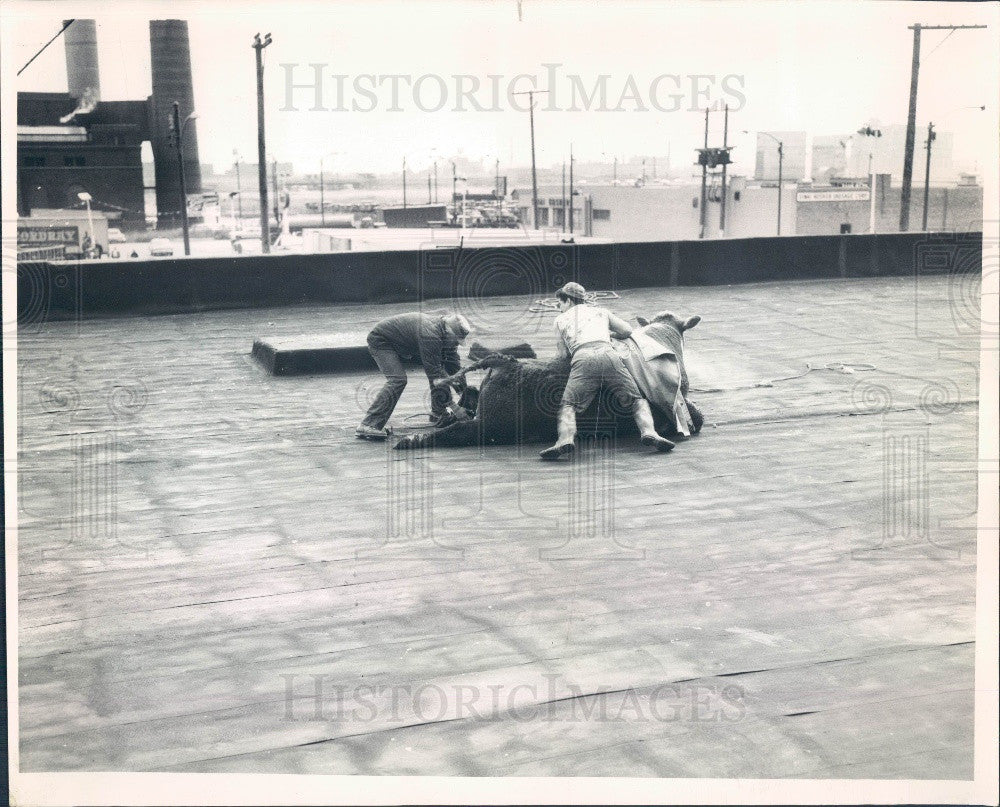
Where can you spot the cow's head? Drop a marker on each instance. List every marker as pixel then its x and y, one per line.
pixel 670 318
pixel 667 328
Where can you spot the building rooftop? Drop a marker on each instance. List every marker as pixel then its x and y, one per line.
pixel 200 543
pixel 51 134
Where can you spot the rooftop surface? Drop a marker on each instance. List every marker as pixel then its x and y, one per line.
pixel 215 575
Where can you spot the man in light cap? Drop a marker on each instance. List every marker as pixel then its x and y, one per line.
pixel 583 334
pixel 432 338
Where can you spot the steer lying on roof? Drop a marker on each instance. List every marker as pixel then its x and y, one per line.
pixel 519 399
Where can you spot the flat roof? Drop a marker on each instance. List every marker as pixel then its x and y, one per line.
pixel 200 543
pixel 69 134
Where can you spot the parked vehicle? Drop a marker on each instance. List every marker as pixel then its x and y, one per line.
pixel 160 247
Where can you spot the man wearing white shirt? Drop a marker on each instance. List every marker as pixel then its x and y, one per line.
pixel 583 334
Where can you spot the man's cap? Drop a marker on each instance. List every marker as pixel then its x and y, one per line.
pixel 574 291
pixel 458 325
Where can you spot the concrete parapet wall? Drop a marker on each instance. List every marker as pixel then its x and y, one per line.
pixel 68 290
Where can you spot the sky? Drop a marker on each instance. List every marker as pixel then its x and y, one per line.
pixel 826 68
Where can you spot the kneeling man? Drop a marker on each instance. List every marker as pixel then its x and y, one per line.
pixel 434 339
pixel 583 333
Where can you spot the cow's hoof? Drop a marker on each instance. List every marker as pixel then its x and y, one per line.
pixel 557 451
pixel 661 444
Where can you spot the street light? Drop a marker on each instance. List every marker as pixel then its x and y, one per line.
pixel 179 128
pixel 85 197
pixel 781 157
pixel 868 131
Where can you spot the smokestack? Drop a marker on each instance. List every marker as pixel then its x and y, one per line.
pixel 82 77
pixel 170 57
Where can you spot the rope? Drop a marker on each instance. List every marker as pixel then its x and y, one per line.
pixel 552 304
pixel 835 366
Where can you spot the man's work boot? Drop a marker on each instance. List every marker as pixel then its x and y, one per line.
pixel 567 435
pixel 644 420
pixel 557 451
pixel 364 432
pixel 661 444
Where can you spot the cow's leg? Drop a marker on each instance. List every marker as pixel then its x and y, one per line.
pixel 465 433
pixel 697 418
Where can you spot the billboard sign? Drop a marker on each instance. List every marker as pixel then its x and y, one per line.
pixel 832 196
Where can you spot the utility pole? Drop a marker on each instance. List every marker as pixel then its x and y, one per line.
pixel 274 186
pixel 435 180
pixel 872 180
pixel 534 176
pixel 725 147
pixel 179 142
pixel 429 187
pixel 265 236
pixel 911 119
pixel 931 137
pixel 239 190
pixel 322 201
pixel 704 182
pixel 571 189
pixel 404 183
pixel 454 189
pixel 564 197
pixel 781 159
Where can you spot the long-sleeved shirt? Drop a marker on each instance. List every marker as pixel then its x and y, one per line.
pixel 586 323
pixel 422 335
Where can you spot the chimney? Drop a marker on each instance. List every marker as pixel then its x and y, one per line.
pixel 83 81
pixel 170 58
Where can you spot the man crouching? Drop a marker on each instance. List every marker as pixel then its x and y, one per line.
pixel 434 339
pixel 583 334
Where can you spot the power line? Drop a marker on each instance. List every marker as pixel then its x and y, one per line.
pixel 939 44
pixel 66 25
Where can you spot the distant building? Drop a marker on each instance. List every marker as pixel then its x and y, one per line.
pixel 661 212
pixel 99 154
pixel 665 213
pixel 889 150
pixel 793 164
pixel 250 170
pixel 829 157
pixel 72 142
